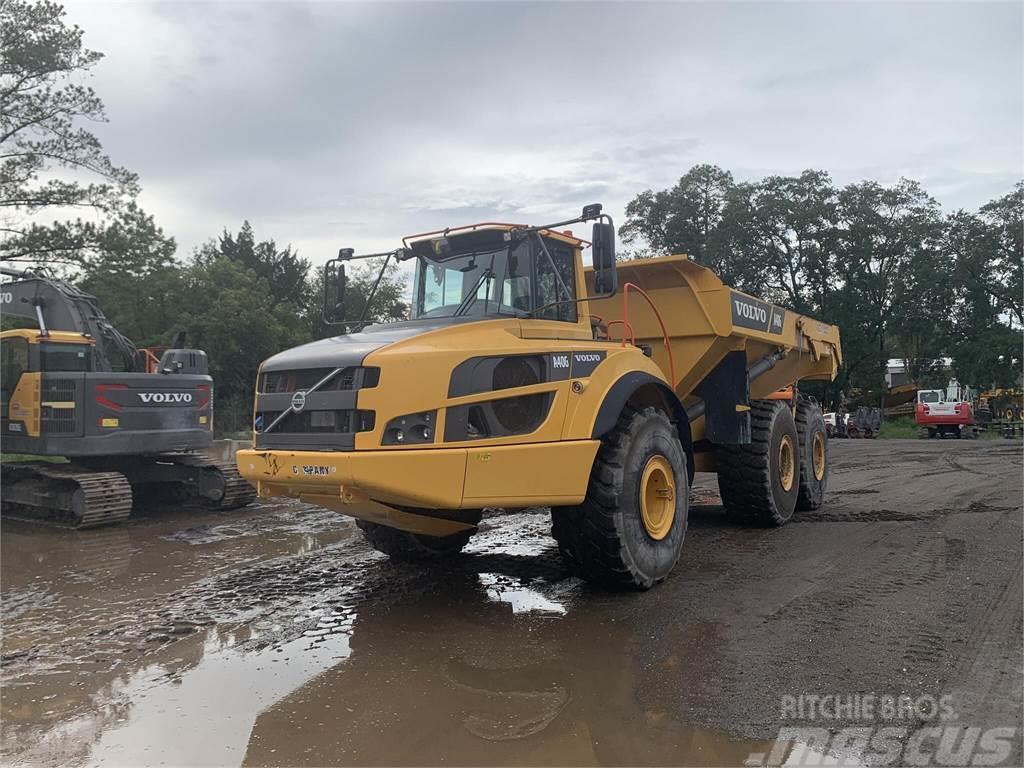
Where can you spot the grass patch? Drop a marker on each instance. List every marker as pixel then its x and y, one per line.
pixel 902 427
pixel 905 427
pixel 11 458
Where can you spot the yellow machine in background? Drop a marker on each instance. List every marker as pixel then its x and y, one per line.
pixel 524 379
pixel 1004 405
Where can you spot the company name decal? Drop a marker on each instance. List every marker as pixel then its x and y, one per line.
pixel 584 363
pixel 756 314
pixel 165 397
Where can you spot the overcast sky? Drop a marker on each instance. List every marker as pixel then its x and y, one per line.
pixel 331 124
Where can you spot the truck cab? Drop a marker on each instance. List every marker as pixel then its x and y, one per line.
pixel 452 407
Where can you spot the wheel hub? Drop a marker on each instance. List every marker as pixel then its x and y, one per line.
pixel 787 465
pixel 657 497
pixel 818 455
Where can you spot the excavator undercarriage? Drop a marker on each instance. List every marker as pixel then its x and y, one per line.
pixel 92 492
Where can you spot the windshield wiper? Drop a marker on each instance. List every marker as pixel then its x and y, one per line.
pixel 467 302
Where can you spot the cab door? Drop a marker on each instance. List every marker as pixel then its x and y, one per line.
pixel 19 389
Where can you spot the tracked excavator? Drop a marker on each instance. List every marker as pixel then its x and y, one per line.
pixel 75 387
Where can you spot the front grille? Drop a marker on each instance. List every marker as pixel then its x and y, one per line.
pixel 317 422
pixel 58 389
pixel 353 377
pixel 328 418
pixel 60 420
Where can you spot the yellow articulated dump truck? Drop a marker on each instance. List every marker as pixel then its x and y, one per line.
pixel 523 378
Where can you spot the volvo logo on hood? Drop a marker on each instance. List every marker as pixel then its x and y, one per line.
pixel 298 401
pixel 165 397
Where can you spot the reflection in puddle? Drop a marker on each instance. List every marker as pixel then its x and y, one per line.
pixel 523 599
pixel 205 715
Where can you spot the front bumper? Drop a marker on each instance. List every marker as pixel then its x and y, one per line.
pixel 534 474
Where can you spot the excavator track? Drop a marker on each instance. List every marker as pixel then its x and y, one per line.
pixel 237 490
pixel 65 494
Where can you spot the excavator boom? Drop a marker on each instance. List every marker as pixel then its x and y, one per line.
pixel 56 305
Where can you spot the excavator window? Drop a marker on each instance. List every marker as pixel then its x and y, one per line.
pixel 13 363
pixel 66 357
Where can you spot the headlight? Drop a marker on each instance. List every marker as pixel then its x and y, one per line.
pixel 415 428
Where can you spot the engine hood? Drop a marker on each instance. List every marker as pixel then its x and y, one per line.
pixel 350 349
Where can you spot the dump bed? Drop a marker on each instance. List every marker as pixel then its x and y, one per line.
pixel 704 319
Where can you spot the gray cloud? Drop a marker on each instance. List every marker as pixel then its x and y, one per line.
pixel 330 123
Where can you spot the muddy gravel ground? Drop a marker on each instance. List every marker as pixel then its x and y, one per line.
pixel 276 636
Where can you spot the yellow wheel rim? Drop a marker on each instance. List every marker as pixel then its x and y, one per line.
pixel 658 497
pixel 818 455
pixel 787 464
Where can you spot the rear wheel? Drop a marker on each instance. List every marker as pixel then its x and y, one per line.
pixel 760 482
pixel 630 528
pixel 814 463
pixel 417 547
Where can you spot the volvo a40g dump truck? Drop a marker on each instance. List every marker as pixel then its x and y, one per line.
pixel 523 378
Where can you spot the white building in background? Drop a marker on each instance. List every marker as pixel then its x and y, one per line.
pixel 896 371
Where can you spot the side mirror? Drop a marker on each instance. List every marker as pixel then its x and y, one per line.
pixel 335 282
pixel 606 280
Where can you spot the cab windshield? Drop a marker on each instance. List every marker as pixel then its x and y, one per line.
pixel 929 396
pixel 525 278
pixel 490 282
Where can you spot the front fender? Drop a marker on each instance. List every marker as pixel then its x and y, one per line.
pixel 624 376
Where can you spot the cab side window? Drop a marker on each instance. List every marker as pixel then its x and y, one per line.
pixel 558 284
pixel 13 363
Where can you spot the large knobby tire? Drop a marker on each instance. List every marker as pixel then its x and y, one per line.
pixel 417 547
pixel 760 482
pixel 629 529
pixel 814 458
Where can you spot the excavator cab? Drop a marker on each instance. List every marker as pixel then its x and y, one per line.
pixel 27 354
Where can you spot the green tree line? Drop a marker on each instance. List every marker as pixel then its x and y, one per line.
pixel 901 278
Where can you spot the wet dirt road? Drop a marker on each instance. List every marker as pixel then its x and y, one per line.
pixel 275 636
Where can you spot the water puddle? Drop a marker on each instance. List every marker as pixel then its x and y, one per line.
pixel 193 652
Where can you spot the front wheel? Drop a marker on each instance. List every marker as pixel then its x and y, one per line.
pixel 629 530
